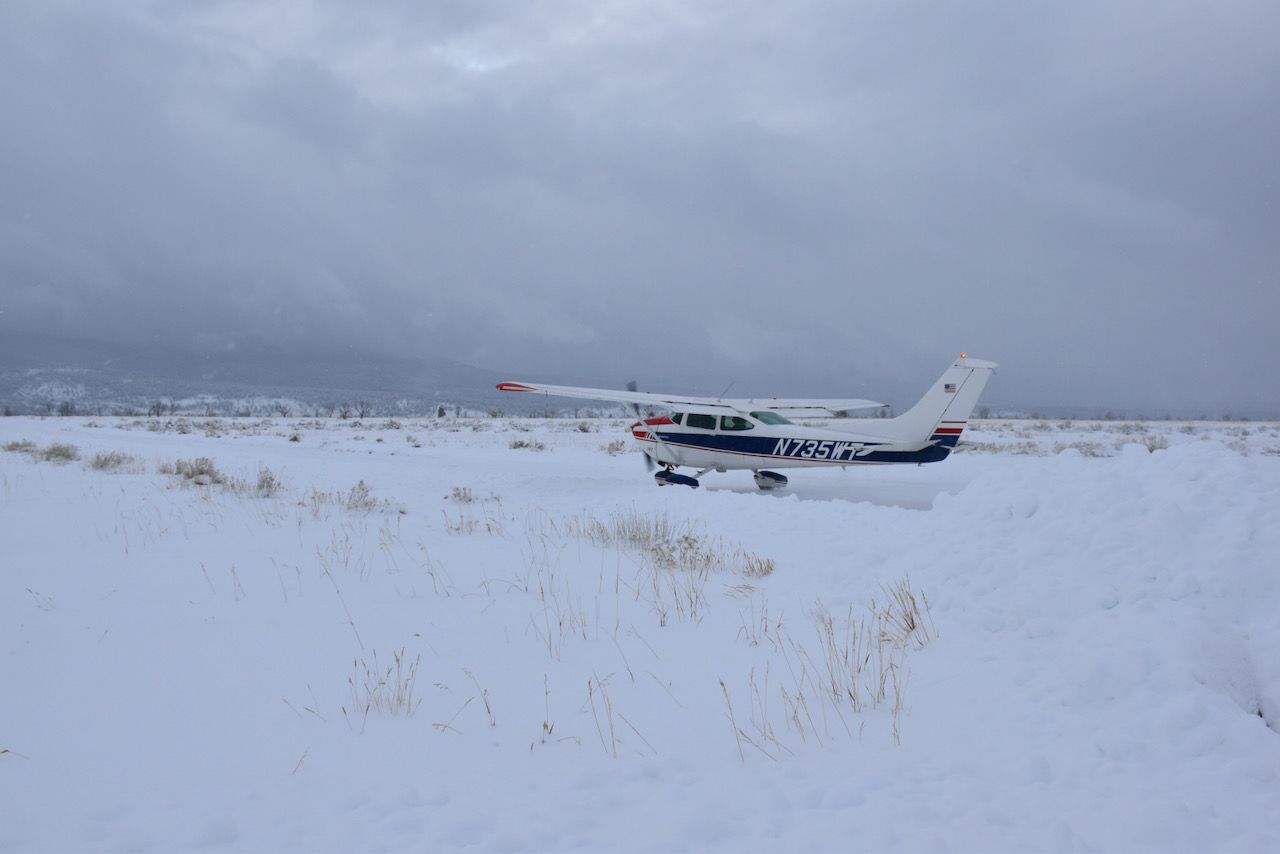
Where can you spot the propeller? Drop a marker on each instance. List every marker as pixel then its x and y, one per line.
pixel 635 410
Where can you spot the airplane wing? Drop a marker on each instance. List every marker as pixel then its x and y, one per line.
pixel 804 407
pixel 678 403
pixel 705 405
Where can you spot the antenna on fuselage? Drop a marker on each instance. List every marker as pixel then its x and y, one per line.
pixel 726 389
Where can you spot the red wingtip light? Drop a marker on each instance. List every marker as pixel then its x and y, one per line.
pixel 964 355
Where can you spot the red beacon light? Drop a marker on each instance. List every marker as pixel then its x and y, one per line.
pixel 964 355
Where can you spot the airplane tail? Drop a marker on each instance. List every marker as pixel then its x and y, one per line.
pixel 941 415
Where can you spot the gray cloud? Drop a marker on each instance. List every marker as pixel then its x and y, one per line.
pixel 816 197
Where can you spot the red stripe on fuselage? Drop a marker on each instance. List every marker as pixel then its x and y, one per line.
pixel 638 429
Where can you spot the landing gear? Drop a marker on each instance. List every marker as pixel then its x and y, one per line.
pixel 768 480
pixel 667 477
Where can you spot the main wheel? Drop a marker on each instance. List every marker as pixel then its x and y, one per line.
pixel 768 480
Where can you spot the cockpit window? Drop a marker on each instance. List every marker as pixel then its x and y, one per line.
pixel 733 422
pixel 675 417
pixel 701 422
pixel 769 418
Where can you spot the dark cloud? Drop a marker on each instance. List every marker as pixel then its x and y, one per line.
pixel 815 197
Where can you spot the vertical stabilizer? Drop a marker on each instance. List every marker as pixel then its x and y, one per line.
pixel 940 416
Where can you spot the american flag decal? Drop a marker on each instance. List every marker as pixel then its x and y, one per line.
pixel 949 388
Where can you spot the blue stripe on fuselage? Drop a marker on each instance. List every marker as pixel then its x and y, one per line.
pixel 833 451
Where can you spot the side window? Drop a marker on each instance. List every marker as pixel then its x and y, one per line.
pixel 702 422
pixel 675 417
pixel 733 422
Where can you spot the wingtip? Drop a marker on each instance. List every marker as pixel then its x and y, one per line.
pixel 510 386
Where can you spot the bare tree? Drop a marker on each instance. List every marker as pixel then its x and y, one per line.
pixel 364 409
pixel 344 410
pixel 282 409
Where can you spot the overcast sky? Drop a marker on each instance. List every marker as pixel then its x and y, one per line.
pixel 800 197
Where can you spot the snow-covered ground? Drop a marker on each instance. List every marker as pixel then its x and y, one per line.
pixel 500 635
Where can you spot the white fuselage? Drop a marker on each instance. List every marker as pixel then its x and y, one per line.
pixel 759 445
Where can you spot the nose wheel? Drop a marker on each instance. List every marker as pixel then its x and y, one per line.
pixel 768 480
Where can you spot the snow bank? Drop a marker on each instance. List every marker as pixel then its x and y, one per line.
pixel 193 666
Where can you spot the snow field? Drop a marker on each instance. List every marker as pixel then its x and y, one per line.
pixel 1053 641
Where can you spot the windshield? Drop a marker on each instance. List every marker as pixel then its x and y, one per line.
pixel 769 418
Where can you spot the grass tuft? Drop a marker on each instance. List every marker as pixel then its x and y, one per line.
pixel 268 483
pixel 200 471
pixel 387 689
pixel 59 452
pixel 115 461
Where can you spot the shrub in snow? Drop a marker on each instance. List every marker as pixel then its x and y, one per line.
pixel 114 461
pixel 668 544
pixel 200 470
pixel 357 499
pixel 755 566
pixel 60 453
pixel 360 498
pixel 268 483
pixel 1156 442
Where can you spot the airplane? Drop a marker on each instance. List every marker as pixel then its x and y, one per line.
pixel 714 434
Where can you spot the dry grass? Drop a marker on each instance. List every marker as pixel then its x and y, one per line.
pixel 20 446
pixel 358 499
pixel 673 563
pixel 268 483
pixel 59 452
pixel 117 462
pixel 387 689
pixel 200 471
pixel 858 667
pixel 668 545
pixel 755 566
pixel 531 444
